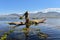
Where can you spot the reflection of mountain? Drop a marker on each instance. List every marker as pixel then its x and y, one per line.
pixel 32 15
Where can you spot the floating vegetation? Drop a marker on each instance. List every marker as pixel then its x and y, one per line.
pixel 21 17
pixel 42 35
pixel 4 36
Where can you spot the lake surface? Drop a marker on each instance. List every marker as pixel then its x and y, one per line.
pixel 50 27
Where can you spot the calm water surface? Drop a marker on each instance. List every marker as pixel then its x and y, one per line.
pixel 50 27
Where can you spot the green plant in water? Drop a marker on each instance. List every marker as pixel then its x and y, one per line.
pixel 21 17
pixel 4 36
pixel 42 35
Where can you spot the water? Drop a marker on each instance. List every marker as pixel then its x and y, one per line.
pixel 50 27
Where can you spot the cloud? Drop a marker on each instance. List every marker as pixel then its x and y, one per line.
pixel 47 10
pixel 33 11
pixel 50 9
pixel 44 10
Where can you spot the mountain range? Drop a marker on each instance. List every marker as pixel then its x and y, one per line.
pixel 41 14
pixel 32 15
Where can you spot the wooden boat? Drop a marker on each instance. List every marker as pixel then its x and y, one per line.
pixel 22 23
pixel 16 23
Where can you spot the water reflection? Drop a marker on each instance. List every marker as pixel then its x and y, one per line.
pixel 24 35
pixel 52 31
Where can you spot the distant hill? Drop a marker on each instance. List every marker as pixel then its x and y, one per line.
pixel 14 14
pixel 9 17
pixel 47 15
pixel 37 15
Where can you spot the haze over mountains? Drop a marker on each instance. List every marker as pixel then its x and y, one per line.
pixel 47 13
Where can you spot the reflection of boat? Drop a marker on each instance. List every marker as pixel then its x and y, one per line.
pixel 22 23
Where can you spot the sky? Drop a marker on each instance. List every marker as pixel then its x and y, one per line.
pixel 20 6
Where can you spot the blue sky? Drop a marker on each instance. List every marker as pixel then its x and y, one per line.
pixel 19 6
